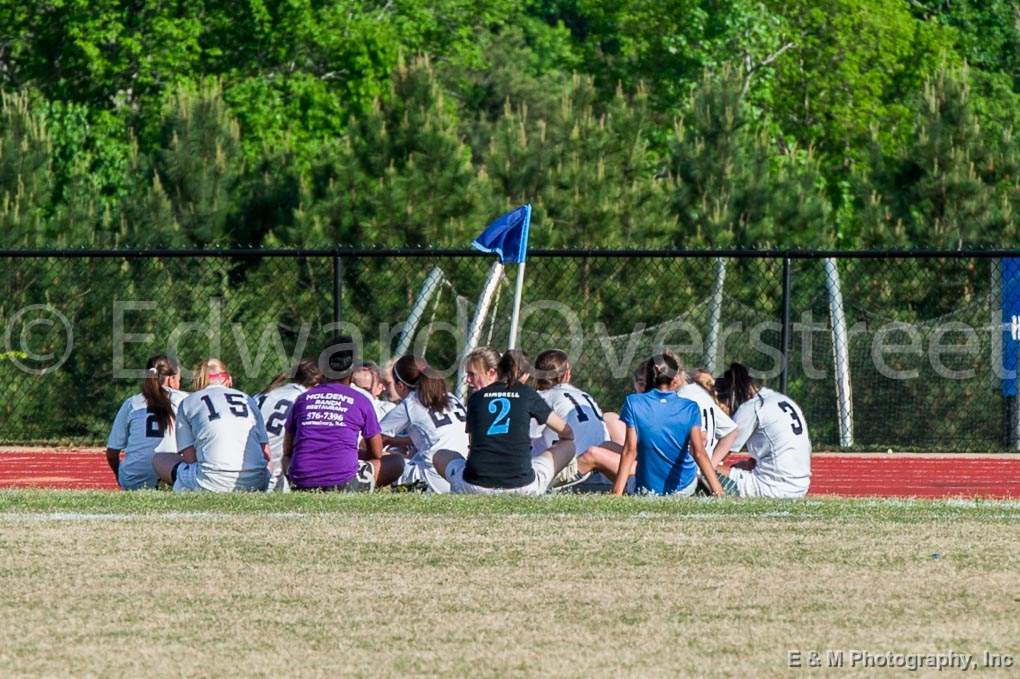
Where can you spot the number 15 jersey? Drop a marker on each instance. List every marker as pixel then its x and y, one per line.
pixel 775 432
pixel 226 427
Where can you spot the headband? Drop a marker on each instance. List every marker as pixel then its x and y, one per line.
pixel 402 380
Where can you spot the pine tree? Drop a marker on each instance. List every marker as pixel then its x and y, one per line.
pixel 401 175
pixel 953 186
pixel 589 169
pixel 26 175
pixel 735 183
pixel 200 164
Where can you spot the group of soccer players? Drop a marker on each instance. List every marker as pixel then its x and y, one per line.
pixel 324 426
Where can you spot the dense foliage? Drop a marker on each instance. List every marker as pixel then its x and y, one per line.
pixel 803 123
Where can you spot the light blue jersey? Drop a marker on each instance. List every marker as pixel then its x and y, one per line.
pixel 136 431
pixel 663 422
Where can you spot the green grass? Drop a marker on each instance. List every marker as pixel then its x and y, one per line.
pixel 156 583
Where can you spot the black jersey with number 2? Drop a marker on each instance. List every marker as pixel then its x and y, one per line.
pixel 499 422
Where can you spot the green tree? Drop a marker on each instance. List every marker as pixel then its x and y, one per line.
pixel 852 68
pixel 954 186
pixel 26 175
pixel 401 175
pixel 588 168
pixel 200 164
pixel 736 183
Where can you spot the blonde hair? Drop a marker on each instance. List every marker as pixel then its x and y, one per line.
pixel 706 381
pixel 203 370
pixel 486 357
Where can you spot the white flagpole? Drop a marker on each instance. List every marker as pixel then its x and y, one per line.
pixel 516 317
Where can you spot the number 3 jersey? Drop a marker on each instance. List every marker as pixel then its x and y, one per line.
pixel 226 427
pixel 580 411
pixel 136 431
pixel 775 432
pixel 274 406
pixel 427 430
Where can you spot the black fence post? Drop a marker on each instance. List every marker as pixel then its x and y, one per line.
pixel 338 273
pixel 784 340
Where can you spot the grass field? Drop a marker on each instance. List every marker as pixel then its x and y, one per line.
pixel 157 584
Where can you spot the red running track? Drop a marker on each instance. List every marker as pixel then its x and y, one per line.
pixel 850 475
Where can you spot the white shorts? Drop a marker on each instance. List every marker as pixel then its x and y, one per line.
pixel 542 465
pixel 222 482
pixel 747 484
pixel 418 471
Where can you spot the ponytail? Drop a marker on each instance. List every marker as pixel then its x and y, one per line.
pixel 415 373
pixel 210 371
pixel 512 366
pixel 158 369
pixel 306 373
pixel 551 367
pixel 740 385
pixel 660 370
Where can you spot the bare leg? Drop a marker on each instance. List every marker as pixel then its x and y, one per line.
pixel 441 458
pixel 604 458
pixel 561 453
pixel 387 469
pixel 617 429
pixel 164 464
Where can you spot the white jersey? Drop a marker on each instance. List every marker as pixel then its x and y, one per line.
pixel 775 432
pixel 714 420
pixel 429 432
pixel 227 430
pixel 382 408
pixel 136 431
pixel 580 411
pixel 274 406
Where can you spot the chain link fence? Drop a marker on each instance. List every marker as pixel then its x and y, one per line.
pixel 903 351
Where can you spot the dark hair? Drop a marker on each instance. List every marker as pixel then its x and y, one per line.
pixel 415 373
pixel 551 368
pixel 660 370
pixel 736 386
pixel 158 368
pixel 306 373
pixel 513 364
pixel 337 358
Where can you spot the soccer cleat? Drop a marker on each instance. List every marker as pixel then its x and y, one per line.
pixel 366 476
pixel 568 478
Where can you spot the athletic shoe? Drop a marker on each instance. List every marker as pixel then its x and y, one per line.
pixel 569 477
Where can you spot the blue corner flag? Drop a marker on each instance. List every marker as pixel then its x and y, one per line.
pixel 507 236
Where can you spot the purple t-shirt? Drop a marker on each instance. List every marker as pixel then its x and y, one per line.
pixel 325 422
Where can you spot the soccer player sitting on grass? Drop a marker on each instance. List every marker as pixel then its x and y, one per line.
pixel 144 425
pixel 320 447
pixel 368 380
pixel 499 415
pixel 428 418
pixel 577 408
pixel 220 435
pixel 275 403
pixel 773 428
pixel 664 436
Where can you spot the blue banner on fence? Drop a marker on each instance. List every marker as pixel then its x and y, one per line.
pixel 1010 270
